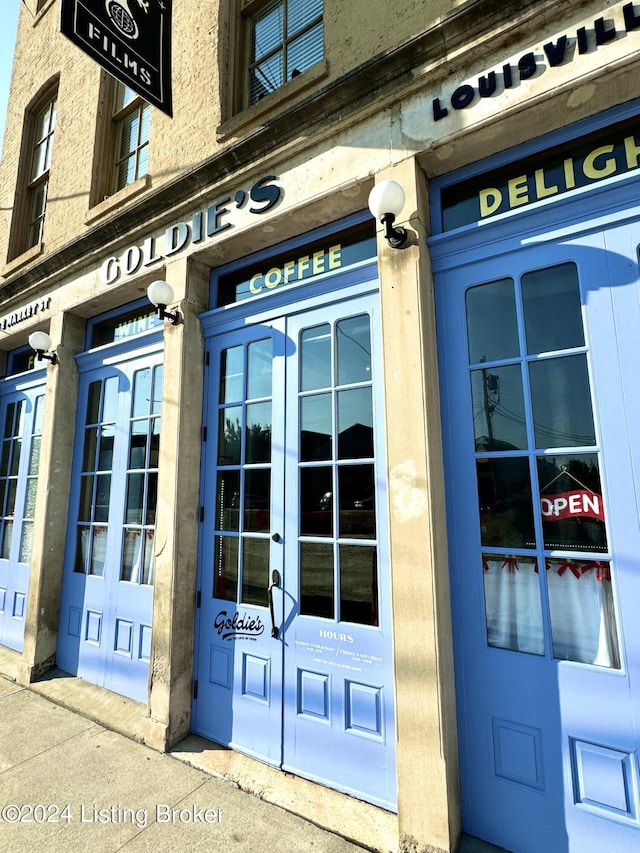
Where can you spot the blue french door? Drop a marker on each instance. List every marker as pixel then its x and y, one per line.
pixel 539 349
pixel 293 663
pixel 21 413
pixel 107 594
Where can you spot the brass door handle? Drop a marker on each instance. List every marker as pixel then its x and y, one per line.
pixel 275 581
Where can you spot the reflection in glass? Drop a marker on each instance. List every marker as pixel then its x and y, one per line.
pixel 152 497
pixel 141 392
pixel 130 555
pixel 105 458
pixel 353 340
pixel 316 502
pixel 260 357
pixel 316 579
pixel 315 358
pixel 583 621
pixel 86 498
pixel 138 444
pixel 491 321
pixel 255 571
pixel 110 404
pixel 258 430
pixel 505 503
pixel 135 497
pixel 228 501
pixel 257 499
pixel 561 402
pixel 512 603
pixel 5 549
pixel 552 310
pixel 356 488
pixel 355 424
pixel 225 567
pixel 498 409
pixel 103 494
pixel 231 367
pixel 93 402
pixel 571 502
pixel 156 402
pixel 315 427
pixel 229 436
pixel 27 542
pixel 358 584
pixel 149 564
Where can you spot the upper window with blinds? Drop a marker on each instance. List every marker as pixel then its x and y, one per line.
pixel 132 119
pixel 286 38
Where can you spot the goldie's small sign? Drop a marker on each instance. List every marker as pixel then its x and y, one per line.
pixel 131 39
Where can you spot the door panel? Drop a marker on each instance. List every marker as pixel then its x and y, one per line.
pixel 543 534
pixel 107 594
pixel 21 414
pixel 294 659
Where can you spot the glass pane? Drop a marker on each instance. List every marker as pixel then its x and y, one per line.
pixel 498 409
pixel 225 567
pixel 355 424
pixel 103 496
pixel 126 172
pixel 266 77
pixel 316 579
pixel 98 551
pixel 93 403
pixel 315 358
pixel 149 565
pixel 11 497
pixel 15 459
pixel 353 337
pixel 86 498
pixel 141 393
pixel 229 436
pixel 583 621
pixel 316 502
pixel 561 402
pixel 154 448
pixel 300 13
pixel 228 501
pixel 156 400
pixel 257 499
pixel 26 545
pixel 129 133
pixel 89 453
pixel 258 432
pixel 305 51
pixel 38 417
pixel 504 501
pixel 231 367
pixel 512 603
pixel 491 321
pixel 267 30
pixel 315 428
pixel 255 571
pixel 34 459
pixel 5 551
pixel 4 460
pixel 30 498
pixel 83 544
pixel 135 498
pixel 138 446
pixel 124 96
pixel 552 311
pixel 152 498
pixel 110 404
pixel 8 420
pixel 145 123
pixel 357 502
pixel 571 502
pixel 259 368
pixel 358 584
pixel 131 555
pixel 105 458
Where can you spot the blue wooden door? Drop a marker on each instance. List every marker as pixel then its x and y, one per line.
pixel 107 594
pixel 294 639
pixel 539 349
pixel 21 413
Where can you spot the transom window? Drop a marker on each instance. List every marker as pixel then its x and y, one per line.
pixel 132 117
pixel 286 38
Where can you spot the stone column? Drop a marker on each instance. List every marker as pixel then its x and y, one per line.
pixel 427 758
pixel 52 503
pixel 177 510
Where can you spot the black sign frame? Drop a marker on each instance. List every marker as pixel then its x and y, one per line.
pixel 131 39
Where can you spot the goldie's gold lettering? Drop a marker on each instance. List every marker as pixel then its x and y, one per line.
pixel 518 191
pixel 273 278
pixel 253 286
pixel 591 170
pixel 289 270
pixel 490 201
pixel 632 152
pixel 318 262
pixel 303 265
pixel 542 190
pixel 335 257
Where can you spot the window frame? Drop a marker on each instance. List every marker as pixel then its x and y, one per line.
pixel 119 118
pixel 40 180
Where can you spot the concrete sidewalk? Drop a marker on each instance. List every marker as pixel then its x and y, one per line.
pixel 68 784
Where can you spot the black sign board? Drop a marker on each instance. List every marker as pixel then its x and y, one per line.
pixel 131 39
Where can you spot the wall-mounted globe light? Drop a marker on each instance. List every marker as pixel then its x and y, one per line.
pixel 160 294
pixel 41 343
pixel 386 201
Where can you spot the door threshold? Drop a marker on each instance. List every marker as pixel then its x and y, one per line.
pixel 353 819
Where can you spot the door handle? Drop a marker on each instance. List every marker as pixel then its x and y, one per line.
pixel 275 581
